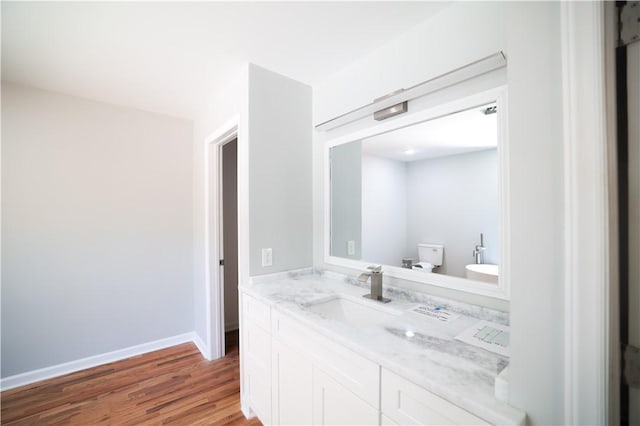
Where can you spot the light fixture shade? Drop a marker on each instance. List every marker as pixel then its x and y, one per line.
pixel 391 111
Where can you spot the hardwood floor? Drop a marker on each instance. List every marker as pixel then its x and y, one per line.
pixel 174 385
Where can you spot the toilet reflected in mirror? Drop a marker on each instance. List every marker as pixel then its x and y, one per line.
pixel 429 257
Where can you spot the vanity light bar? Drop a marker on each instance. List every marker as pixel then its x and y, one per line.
pixel 391 111
pixel 474 69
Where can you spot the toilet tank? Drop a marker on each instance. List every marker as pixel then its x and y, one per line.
pixel 431 253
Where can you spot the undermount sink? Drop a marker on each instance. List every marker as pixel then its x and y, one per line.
pixel 485 272
pixel 352 311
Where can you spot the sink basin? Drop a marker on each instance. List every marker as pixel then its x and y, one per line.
pixel 485 272
pixel 352 311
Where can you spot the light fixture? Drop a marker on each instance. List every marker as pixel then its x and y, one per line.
pixel 391 111
pixel 409 151
pixel 458 75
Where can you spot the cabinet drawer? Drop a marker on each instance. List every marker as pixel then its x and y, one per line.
pixel 408 404
pixel 256 311
pixel 353 371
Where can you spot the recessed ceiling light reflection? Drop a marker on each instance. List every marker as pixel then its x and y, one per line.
pixel 409 333
pixel 410 152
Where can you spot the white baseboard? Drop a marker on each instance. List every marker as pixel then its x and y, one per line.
pixel 93 361
pixel 247 412
pixel 202 346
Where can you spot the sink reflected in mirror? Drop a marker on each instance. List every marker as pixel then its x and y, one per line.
pixel 352 311
pixel 482 272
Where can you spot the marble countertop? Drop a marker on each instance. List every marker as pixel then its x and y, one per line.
pixel 429 355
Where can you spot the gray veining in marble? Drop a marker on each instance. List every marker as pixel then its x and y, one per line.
pixel 422 350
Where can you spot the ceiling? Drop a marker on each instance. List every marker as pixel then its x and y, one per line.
pixel 458 133
pixel 168 57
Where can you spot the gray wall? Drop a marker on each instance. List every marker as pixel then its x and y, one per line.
pixel 346 198
pixel 97 228
pixel 280 201
pixel 384 207
pixel 452 200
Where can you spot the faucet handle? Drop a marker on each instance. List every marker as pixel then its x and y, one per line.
pixel 375 268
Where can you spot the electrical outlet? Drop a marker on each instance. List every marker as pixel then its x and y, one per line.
pixel 351 247
pixel 267 257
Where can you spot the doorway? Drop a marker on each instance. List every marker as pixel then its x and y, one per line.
pixel 628 104
pixel 229 233
pixel 222 243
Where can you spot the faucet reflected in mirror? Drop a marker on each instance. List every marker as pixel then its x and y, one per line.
pixel 481 271
pixel 479 250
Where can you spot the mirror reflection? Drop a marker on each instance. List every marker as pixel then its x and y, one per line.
pixel 423 197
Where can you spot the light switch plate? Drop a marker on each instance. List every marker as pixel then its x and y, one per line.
pixel 267 257
pixel 351 247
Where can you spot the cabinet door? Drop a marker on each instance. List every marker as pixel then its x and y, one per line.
pixel 408 404
pixel 292 378
pixel 352 370
pixel 334 404
pixel 257 369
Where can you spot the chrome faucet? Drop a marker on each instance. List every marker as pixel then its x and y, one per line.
pixel 376 283
pixel 479 249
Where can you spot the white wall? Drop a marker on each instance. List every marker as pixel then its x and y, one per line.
pixel 458 35
pixel 451 201
pixel 536 199
pixel 97 223
pixel 223 107
pixel 384 210
pixel 529 35
pixel 280 199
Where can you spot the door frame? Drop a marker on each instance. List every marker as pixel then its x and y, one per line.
pixel 214 288
pixel 590 271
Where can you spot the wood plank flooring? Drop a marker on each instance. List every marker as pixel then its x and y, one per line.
pixel 174 385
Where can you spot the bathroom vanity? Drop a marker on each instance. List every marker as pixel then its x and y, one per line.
pixel 314 351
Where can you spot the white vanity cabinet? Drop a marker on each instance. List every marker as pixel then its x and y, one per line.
pixel 404 403
pixel 256 356
pixel 316 381
pixel 294 375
